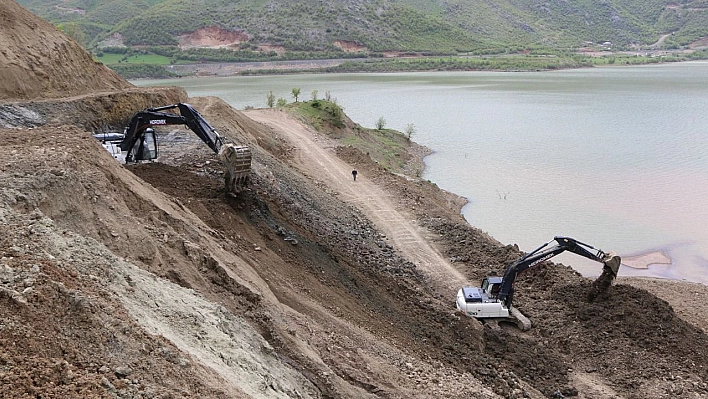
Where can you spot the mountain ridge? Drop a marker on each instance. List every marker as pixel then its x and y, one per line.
pixel 385 25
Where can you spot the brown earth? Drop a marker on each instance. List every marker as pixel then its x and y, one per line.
pixel 350 46
pixel 148 281
pixel 38 61
pixel 213 36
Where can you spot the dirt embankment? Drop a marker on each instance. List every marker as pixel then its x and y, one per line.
pixel 96 112
pixel 601 354
pixel 38 61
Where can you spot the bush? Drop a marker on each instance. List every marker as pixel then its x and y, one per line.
pixel 380 123
pixel 137 71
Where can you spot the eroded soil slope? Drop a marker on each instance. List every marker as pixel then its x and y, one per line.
pixel 247 288
pixel 38 61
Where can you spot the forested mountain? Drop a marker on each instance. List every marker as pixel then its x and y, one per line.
pixel 428 26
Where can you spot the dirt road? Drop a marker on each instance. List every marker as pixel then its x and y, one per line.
pixel 316 158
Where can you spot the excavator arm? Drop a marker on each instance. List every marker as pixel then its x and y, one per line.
pixel 506 293
pixel 150 117
pixel 236 159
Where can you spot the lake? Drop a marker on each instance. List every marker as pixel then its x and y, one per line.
pixel 614 156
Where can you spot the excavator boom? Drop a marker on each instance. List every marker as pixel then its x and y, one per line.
pixel 543 253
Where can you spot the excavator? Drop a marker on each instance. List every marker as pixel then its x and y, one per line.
pixel 139 142
pixel 492 302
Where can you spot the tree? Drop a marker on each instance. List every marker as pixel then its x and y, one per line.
pixel 271 99
pixel 281 102
pixel 296 93
pixel 380 123
pixel 314 95
pixel 410 131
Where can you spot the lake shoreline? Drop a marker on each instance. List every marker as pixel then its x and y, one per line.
pixel 581 153
pixel 326 66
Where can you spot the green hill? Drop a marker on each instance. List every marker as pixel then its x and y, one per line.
pixel 426 26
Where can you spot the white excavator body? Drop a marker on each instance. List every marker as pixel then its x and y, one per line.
pixel 476 302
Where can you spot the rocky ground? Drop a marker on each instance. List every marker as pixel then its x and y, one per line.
pixel 148 281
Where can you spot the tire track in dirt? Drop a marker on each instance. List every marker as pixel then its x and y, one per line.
pixel 315 157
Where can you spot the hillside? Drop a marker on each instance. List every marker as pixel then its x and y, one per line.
pixel 148 281
pixel 38 61
pixel 378 26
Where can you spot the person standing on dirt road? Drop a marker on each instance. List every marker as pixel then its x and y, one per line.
pixel 354 172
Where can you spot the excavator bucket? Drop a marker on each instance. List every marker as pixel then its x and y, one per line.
pixel 612 262
pixel 609 271
pixel 237 166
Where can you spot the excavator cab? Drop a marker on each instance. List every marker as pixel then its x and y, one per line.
pixel 145 148
pixel 491 286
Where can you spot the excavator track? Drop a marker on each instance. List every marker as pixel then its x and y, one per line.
pixel 515 316
pixel 521 321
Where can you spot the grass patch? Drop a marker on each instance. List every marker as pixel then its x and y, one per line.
pixel 323 115
pixel 388 147
pixel 110 59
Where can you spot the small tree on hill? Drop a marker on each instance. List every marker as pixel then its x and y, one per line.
pixel 314 95
pixel 380 123
pixel 281 102
pixel 296 93
pixel 271 99
pixel 410 131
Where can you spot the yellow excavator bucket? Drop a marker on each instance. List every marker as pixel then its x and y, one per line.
pixel 237 166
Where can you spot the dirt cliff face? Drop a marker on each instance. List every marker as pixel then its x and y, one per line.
pixel 213 36
pixel 38 61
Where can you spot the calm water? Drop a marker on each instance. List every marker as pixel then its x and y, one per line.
pixel 615 157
